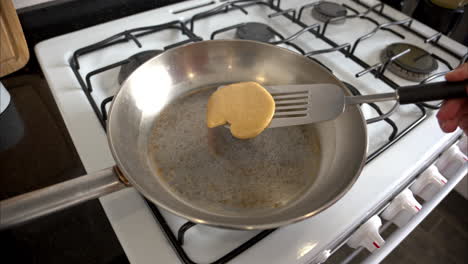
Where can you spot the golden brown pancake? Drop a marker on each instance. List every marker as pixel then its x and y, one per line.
pixel 247 107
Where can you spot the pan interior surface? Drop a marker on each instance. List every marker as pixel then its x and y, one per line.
pixel 217 172
pixel 159 139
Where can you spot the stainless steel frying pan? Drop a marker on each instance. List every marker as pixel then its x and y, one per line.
pixel 161 145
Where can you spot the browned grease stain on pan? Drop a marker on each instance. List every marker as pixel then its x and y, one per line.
pixel 213 170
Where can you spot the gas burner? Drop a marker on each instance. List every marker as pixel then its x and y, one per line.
pixel 134 62
pixel 255 31
pixel 327 10
pixel 416 65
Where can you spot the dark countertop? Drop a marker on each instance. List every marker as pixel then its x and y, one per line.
pixel 45 156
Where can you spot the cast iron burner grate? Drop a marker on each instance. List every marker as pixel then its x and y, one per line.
pixel 177 242
pixel 125 36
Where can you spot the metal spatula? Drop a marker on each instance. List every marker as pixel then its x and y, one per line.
pixel 311 103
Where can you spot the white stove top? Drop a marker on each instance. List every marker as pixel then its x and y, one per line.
pixel 135 226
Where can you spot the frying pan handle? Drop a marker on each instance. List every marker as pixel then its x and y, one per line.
pixel 432 91
pixel 57 197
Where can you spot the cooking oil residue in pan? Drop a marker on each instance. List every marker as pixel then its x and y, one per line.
pixel 213 170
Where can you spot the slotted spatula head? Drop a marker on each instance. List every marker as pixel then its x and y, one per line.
pixel 306 103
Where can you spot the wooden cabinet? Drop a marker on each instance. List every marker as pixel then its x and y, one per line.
pixel 14 52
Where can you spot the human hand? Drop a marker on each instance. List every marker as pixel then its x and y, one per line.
pixel 454 112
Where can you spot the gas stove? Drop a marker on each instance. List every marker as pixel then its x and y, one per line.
pixel 369 46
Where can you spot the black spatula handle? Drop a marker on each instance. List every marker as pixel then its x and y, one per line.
pixel 432 91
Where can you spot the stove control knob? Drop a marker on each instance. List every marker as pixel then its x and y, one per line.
pixel 367 235
pixel 322 257
pixel 403 207
pixel 428 183
pixel 463 145
pixel 451 160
